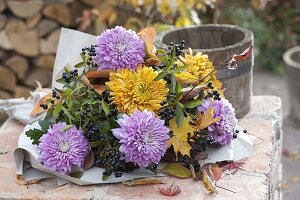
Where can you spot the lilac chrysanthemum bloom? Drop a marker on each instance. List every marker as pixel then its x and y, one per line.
pixel 60 149
pixel 119 48
pixel 143 138
pixel 222 130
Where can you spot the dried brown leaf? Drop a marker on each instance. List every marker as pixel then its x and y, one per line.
pixel 143 181
pixel 20 180
pixel 170 191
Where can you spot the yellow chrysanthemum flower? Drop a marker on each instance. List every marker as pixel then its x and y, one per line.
pixel 200 66
pixel 131 90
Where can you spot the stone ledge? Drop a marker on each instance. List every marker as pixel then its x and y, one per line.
pixel 260 180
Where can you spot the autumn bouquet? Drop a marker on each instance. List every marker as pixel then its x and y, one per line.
pixel 128 105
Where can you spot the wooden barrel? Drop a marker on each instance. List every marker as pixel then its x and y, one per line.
pixel 292 66
pixel 220 42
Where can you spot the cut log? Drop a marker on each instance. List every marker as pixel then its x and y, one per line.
pixel 26 43
pixel 4 95
pixel 45 27
pixel 25 9
pixel 49 45
pixel 3 20
pixel 22 91
pixel 8 80
pixel 2 5
pixel 40 75
pixel 76 10
pixel 5 41
pixel 19 65
pixel 45 62
pixel 59 13
pixel 33 21
pixel 15 26
pixel 92 2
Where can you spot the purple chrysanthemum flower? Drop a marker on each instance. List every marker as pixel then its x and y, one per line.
pixel 119 48
pixel 222 130
pixel 143 138
pixel 59 149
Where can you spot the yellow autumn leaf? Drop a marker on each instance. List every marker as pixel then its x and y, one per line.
pixel 143 181
pixel 186 78
pixel 208 183
pixel 179 139
pixel 204 120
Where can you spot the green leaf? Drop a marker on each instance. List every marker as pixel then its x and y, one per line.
pixel 160 75
pixel 178 90
pixel 105 107
pixel 193 104
pixel 163 59
pixel 57 109
pixel 179 69
pixel 79 65
pixel 67 127
pixel 67 70
pixel 68 113
pixel 177 170
pixel 179 115
pixel 95 144
pixel 104 177
pixel 173 82
pixel 161 51
pixel 34 135
pixel 61 80
pixel 83 57
pixel 76 174
pixel 44 125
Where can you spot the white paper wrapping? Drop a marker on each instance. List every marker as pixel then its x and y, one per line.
pixel 26 155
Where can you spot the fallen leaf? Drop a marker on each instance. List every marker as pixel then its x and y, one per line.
pixel 209 183
pixel 98 73
pixel 186 78
pixel 232 64
pixel 177 170
pixel 143 181
pixel 89 160
pixel 179 139
pixel 216 171
pixel 170 191
pixel 20 180
pixel 204 120
pixel 229 166
pixel 37 109
pixel 148 35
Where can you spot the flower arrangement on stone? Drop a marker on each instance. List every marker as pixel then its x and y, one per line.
pixel 128 105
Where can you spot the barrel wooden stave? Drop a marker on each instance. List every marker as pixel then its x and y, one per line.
pixel 220 42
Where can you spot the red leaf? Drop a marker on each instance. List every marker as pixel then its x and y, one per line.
pixel 232 64
pixel 170 191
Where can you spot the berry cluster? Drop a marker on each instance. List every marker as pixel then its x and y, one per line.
pixel 166 113
pixel 178 48
pixel 90 52
pixel 68 76
pixel 52 100
pixel 212 93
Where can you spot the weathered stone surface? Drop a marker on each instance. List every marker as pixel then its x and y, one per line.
pixel 5 41
pixel 49 45
pixel 25 9
pixel 45 62
pixel 45 27
pixel 22 91
pixel 59 13
pixel 8 80
pixel 259 180
pixel 33 21
pixel 42 76
pixel 19 65
pixel 3 20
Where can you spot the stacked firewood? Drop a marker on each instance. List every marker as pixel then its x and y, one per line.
pixel 29 35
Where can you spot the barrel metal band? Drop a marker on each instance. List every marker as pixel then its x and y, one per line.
pixel 242 68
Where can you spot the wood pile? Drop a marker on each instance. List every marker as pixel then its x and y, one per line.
pixel 29 34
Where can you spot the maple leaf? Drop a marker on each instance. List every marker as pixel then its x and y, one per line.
pixel 179 139
pixel 232 63
pixel 170 191
pixel 208 183
pixel 204 120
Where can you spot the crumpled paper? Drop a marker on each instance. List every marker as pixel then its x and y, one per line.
pixel 26 155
